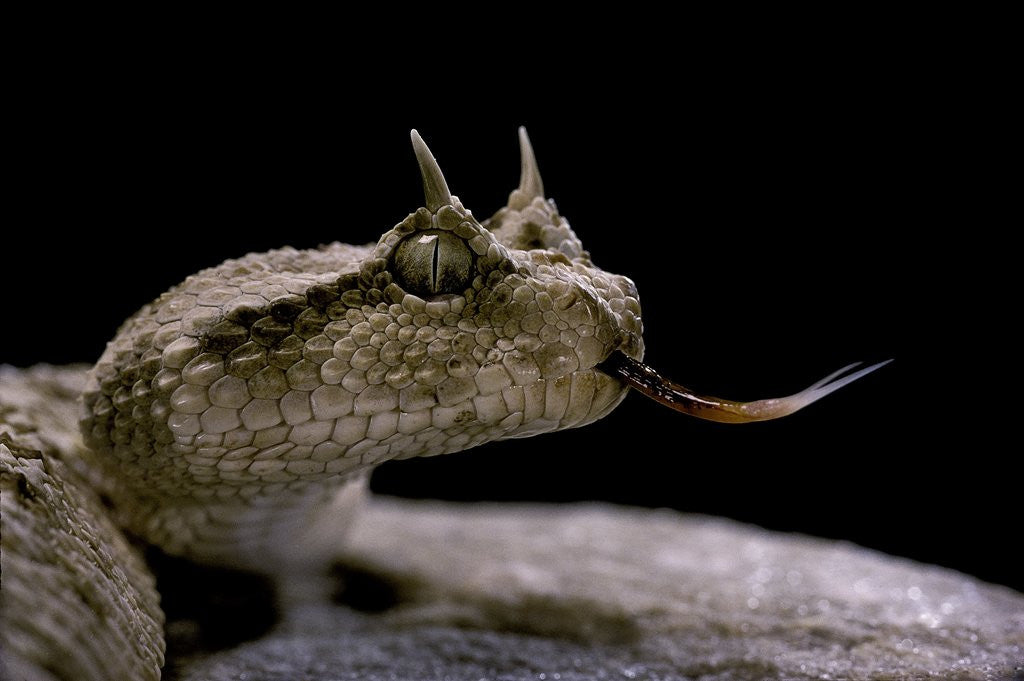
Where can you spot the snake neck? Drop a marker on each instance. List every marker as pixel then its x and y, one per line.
pixel 294 532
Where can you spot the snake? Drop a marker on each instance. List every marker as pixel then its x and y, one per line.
pixel 235 419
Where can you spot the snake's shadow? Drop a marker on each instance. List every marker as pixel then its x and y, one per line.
pixel 212 608
pixel 209 608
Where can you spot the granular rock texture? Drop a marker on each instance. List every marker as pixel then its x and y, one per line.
pixel 599 592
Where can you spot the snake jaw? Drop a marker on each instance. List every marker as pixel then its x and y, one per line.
pixel 647 381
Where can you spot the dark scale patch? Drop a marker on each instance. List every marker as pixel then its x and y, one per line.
pixel 494 277
pixel 245 314
pixel 394 293
pixel 130 373
pixel 142 440
pixel 347 282
pixel 142 393
pixel 285 353
pixel 502 296
pixel 270 331
pixel 352 298
pixel 120 436
pixel 370 270
pixel 556 259
pixel 246 360
pixel 225 337
pixel 337 310
pixel 110 384
pixel 162 434
pixel 269 383
pixel 310 323
pixel 150 364
pixel 374 296
pixel 287 308
pixel 322 295
pixel 122 399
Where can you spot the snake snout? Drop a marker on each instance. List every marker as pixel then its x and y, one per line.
pixel 593 319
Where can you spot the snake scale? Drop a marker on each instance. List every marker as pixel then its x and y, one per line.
pixel 234 420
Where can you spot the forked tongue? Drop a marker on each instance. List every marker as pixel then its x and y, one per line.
pixel 646 380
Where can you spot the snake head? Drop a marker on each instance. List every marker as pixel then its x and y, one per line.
pixel 527 305
pixel 484 331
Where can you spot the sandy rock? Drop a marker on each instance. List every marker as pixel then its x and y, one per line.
pixel 600 592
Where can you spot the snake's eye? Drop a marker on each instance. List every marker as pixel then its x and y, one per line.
pixel 433 262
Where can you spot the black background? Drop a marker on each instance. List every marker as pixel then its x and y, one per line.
pixel 774 212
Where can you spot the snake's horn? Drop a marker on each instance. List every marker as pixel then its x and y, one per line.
pixel 530 184
pixel 435 189
pixel 646 380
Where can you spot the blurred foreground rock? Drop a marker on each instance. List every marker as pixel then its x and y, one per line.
pixel 599 592
pixel 500 592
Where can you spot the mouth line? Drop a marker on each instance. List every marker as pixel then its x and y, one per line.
pixel 649 382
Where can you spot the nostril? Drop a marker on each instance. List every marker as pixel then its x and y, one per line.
pixel 626 343
pixel 632 346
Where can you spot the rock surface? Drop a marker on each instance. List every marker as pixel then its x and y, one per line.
pixel 497 592
pixel 599 592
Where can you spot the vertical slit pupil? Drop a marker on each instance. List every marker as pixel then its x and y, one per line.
pixel 433 265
